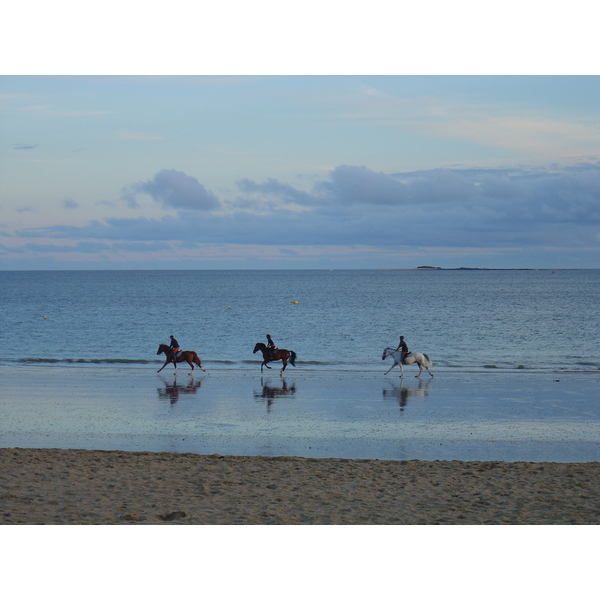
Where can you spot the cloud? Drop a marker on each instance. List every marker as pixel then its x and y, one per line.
pixel 142 246
pixel 82 247
pixel 516 128
pixel 272 187
pixel 350 184
pixel 173 189
pixel 25 146
pixel 8 250
pixel 443 208
pixel 70 204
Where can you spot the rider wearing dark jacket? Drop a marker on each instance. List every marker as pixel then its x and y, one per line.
pixel 403 348
pixel 271 345
pixel 175 347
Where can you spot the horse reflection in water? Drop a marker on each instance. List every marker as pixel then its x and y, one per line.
pixel 402 393
pixel 270 393
pixel 172 391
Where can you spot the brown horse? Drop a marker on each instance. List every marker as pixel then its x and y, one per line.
pixel 278 354
pixel 188 356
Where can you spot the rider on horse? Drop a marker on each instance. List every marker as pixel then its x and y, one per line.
pixel 403 347
pixel 175 348
pixel 271 345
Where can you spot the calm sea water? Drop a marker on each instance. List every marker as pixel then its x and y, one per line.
pixel 465 320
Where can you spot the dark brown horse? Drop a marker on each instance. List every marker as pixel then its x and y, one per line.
pixel 188 356
pixel 278 354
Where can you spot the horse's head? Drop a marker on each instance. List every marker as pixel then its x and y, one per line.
pixel 259 346
pixel 162 348
pixel 386 353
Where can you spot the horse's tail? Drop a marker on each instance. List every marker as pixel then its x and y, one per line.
pixel 292 358
pixel 428 361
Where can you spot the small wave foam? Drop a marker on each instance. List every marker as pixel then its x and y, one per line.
pixel 93 361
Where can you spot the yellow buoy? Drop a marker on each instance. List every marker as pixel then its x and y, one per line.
pixel 228 306
pixel 45 317
pixel 294 302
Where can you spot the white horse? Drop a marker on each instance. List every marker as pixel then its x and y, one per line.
pixel 413 357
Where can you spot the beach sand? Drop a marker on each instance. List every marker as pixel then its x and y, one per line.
pixel 51 486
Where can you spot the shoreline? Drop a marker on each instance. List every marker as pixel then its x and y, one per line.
pixel 53 486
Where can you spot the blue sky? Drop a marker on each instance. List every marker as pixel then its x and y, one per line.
pixel 298 171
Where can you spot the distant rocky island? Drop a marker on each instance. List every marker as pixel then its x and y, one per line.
pixel 427 267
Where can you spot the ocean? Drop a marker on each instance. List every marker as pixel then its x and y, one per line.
pixel 464 320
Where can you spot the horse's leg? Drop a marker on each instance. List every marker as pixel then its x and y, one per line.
pixel 420 369
pixel 199 363
pixel 166 363
pixel 189 362
pixel 401 369
pixel 284 361
pixel 393 365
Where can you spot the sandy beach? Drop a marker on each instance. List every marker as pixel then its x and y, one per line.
pixel 40 486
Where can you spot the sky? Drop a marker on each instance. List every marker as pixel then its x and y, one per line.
pixel 285 168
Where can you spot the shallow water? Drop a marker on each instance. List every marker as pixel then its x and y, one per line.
pixel 508 416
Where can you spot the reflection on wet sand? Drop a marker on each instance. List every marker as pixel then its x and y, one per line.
pixel 270 392
pixel 172 391
pixel 402 393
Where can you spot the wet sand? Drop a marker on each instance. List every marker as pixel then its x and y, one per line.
pixel 493 416
pixel 42 486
